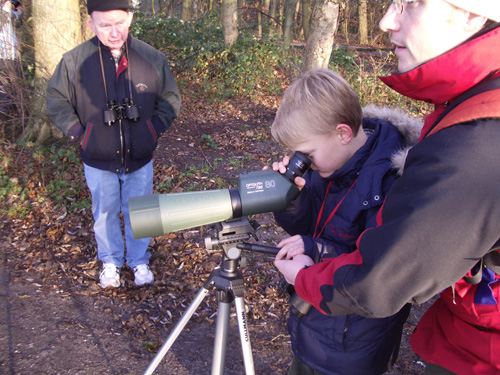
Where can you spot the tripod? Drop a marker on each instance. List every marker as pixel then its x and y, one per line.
pixel 227 280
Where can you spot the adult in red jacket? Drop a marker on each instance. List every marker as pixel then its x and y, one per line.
pixel 443 215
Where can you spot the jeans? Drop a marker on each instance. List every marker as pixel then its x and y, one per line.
pixel 110 193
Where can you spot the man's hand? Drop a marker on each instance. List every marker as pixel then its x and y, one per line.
pixel 290 268
pixel 290 247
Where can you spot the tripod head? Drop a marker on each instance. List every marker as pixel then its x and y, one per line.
pixel 236 232
pixel 232 236
pixel 230 233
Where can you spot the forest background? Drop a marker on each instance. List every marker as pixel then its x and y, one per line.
pixel 232 60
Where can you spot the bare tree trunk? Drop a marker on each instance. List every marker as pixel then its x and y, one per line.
pixel 273 11
pixel 196 8
pixel 240 9
pixel 306 17
pixel 297 23
pixel 323 28
pixel 259 24
pixel 281 15
pixel 171 9
pixel 362 23
pixel 54 34
pixel 266 5
pixel 187 5
pixel 346 9
pixel 230 21
pixel 288 24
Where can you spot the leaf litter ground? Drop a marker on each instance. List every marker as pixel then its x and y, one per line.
pixel 55 319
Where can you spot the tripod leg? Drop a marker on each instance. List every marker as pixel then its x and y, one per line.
pixel 221 329
pixel 246 347
pixel 177 330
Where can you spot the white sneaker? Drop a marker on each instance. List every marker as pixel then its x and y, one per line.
pixel 110 276
pixel 143 275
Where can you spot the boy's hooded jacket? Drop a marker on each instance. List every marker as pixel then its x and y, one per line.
pixel 439 219
pixel 349 344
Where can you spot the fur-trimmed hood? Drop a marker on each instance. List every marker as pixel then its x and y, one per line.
pixel 409 127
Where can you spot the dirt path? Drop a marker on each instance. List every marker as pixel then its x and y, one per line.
pixel 55 319
pixel 58 332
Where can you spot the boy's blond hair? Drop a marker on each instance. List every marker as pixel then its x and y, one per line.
pixel 316 102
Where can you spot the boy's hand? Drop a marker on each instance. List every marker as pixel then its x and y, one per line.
pixel 290 247
pixel 290 268
pixel 281 168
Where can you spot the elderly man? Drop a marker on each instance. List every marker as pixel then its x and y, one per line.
pixel 115 95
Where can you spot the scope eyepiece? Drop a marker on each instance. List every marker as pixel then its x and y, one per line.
pixel 298 165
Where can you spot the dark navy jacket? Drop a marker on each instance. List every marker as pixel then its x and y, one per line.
pixel 77 98
pixel 348 344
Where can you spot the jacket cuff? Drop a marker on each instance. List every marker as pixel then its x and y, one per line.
pixel 309 247
pixel 75 132
pixel 158 125
pixel 299 285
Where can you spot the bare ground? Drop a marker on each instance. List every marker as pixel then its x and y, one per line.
pixel 55 319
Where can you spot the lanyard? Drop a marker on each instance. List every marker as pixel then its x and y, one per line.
pixel 128 72
pixel 316 234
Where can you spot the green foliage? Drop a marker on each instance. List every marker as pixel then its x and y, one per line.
pixel 196 50
pixel 65 185
pixel 54 180
pixel 363 75
pixel 239 162
pixel 164 186
pixel 255 67
pixel 208 141
pixel 342 58
pixel 13 192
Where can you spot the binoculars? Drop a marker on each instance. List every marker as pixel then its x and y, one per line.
pixel 128 110
pixel 298 306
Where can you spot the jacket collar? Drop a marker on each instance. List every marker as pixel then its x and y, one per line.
pixel 440 80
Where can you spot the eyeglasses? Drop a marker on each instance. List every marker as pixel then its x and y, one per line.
pixel 399 4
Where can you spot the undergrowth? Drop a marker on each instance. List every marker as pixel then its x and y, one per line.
pixel 196 51
pixel 252 68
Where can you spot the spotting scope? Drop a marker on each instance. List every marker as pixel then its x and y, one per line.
pixel 257 192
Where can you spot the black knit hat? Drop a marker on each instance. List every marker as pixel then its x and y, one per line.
pixel 103 5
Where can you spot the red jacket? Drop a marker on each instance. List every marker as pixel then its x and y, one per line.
pixel 438 220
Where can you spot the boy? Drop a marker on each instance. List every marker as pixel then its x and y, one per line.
pixel 351 172
pixel 441 218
